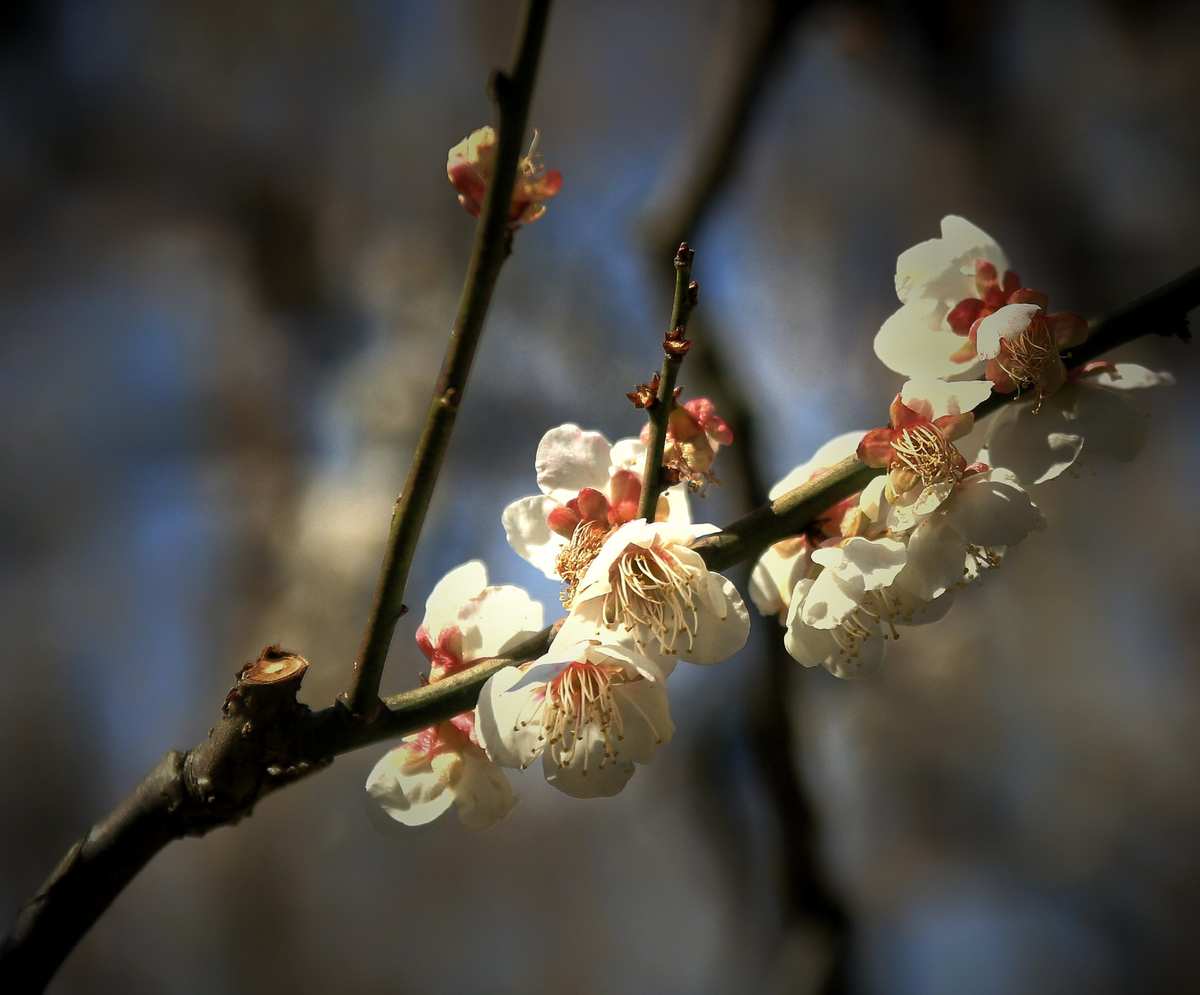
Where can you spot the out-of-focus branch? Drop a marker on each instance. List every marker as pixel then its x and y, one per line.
pixel 675 347
pixel 512 93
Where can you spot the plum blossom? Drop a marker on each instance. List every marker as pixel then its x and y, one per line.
pixel 1089 412
pixel 465 621
pixel 648 582
pixel 785 563
pixel 694 434
pixel 589 488
pixel 1021 343
pixel 946 287
pixel 472 162
pixel 942 283
pixel 843 619
pixel 591 708
pixel 986 512
pixel 918 447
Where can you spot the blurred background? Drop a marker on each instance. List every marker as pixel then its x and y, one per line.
pixel 229 262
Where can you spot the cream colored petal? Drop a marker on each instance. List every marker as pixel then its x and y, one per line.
pixel 724 628
pixel 569 459
pixel 412 796
pixel 449 595
pixel 496 619
pixel 508 720
pixel 530 537
pixel 946 398
pixel 482 793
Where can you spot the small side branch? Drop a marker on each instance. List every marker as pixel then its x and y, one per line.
pixel 493 242
pixel 675 347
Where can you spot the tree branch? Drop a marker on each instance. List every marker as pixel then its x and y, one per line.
pixel 493 242
pixel 265 740
pixel 675 347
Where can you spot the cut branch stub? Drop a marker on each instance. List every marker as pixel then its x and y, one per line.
pixel 274 665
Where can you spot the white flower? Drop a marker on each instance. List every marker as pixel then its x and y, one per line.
pixel 986 513
pixel 587 708
pixel 858 641
pixel 589 487
pixel 1038 442
pixel 465 621
pixel 649 582
pixel 785 563
pixel 944 284
pixel 923 464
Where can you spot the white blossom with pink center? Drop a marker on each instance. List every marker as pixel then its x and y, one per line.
pixel 591 708
pixel 918 447
pixel 944 284
pixel 785 563
pixel 465 621
pixel 647 581
pixel 1089 415
pixel 589 488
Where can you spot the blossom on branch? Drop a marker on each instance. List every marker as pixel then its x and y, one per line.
pixel 471 164
pixel 591 708
pixel 917 448
pixel 589 488
pixel 649 583
pixel 785 563
pixel 443 765
pixel 694 434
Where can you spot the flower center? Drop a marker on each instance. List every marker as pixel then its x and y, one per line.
pixel 876 607
pixel 1028 358
pixel 927 455
pixel 577 555
pixel 652 593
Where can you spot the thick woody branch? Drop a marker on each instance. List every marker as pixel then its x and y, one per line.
pixel 265 740
pixel 493 241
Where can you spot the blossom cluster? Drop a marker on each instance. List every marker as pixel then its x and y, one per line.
pixel 639 598
pixel 895 554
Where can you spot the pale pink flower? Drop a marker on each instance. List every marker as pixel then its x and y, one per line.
pixel 471 164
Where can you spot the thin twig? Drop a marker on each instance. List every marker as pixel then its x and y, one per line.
pixel 493 239
pixel 675 347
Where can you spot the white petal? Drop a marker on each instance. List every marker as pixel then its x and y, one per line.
pixel 775 575
pixel 508 721
pixel 946 398
pixel 936 556
pixel 1109 422
pixel 569 459
pixel 482 793
pixel 989 510
pixel 628 454
pixel 412 794
pixel 530 537
pixel 1035 447
pixel 450 593
pixel 830 453
pixel 496 619
pixel 1008 322
pixel 1130 376
pixel 585 771
pixel 908 346
pixel 723 629
pixel 943 269
pixel 915 505
pixel 863 564
pixel 827 602
pixel 645 718
pixel 678 510
pixel 865 658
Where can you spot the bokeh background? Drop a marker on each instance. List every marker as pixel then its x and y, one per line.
pixel 229 261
